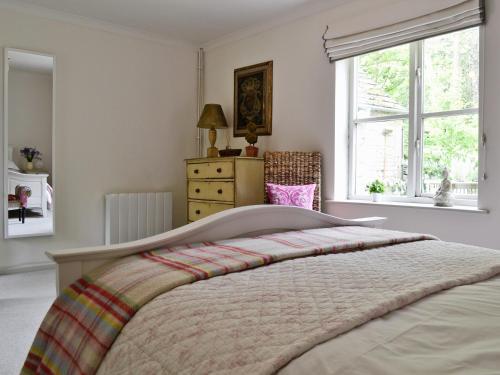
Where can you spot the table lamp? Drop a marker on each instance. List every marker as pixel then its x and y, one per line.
pixel 212 118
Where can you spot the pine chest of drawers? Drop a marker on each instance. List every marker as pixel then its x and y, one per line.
pixel 217 184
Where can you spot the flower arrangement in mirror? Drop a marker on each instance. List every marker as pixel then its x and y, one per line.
pixel 30 154
pixel 251 137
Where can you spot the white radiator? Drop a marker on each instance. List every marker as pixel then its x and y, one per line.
pixel 132 216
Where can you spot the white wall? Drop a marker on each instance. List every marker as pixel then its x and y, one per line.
pixel 30 115
pixel 304 113
pixel 125 120
pixel 302 87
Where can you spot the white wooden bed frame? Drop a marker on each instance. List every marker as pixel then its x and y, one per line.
pixel 237 222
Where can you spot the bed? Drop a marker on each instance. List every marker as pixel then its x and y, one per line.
pixel 274 289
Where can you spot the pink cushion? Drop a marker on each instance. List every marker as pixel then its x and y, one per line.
pixel 298 195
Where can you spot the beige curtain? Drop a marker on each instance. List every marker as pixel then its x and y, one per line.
pixel 398 23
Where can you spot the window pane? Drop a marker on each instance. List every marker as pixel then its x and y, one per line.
pixel 451 71
pixel 382 82
pixel 381 152
pixel 451 142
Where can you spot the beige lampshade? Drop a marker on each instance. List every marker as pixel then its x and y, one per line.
pixel 212 117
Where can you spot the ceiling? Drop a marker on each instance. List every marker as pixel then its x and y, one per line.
pixel 194 21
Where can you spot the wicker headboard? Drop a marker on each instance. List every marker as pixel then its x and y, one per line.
pixel 294 168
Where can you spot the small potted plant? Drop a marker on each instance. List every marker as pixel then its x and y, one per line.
pixel 251 138
pixel 376 189
pixel 30 154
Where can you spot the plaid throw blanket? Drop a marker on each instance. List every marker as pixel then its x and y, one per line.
pixel 87 317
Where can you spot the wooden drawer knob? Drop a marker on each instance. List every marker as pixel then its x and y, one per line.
pixel 219 170
pixel 219 191
pixel 197 190
pixel 196 171
pixel 197 212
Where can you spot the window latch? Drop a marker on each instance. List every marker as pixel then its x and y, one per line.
pixel 483 140
pixel 418 74
pixel 418 144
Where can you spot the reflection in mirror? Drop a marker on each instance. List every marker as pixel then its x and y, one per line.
pixel 28 144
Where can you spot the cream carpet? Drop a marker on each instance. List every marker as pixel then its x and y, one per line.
pixel 24 300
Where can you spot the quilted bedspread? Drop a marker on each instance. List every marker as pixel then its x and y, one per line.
pixel 245 322
pixel 255 322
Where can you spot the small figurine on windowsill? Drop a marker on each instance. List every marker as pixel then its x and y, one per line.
pixel 443 196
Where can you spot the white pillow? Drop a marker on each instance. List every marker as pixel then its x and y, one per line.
pixel 12 165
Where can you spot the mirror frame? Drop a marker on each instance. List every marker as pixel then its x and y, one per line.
pixel 6 142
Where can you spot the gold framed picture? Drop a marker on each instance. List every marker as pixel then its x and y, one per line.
pixel 253 98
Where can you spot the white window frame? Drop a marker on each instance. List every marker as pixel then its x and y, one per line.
pixel 415 119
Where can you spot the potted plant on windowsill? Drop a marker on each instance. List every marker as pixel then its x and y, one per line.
pixel 376 189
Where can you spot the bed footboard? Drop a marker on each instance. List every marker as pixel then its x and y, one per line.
pixel 237 222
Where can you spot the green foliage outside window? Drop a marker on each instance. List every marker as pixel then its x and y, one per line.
pixel 451 81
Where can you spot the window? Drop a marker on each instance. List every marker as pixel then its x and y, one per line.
pixel 415 111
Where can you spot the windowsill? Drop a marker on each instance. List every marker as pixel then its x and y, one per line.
pixel 425 206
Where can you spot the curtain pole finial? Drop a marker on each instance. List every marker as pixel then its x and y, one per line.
pixel 323 37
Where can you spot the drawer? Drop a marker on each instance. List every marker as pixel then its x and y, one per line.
pixel 217 169
pixel 211 190
pixel 199 210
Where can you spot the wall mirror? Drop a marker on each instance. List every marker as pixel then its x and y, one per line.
pixel 28 143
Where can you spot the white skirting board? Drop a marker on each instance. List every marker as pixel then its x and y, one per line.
pixel 27 267
pixel 132 216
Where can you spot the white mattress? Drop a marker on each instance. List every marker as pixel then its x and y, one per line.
pixel 453 332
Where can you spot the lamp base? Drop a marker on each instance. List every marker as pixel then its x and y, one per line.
pixel 212 152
